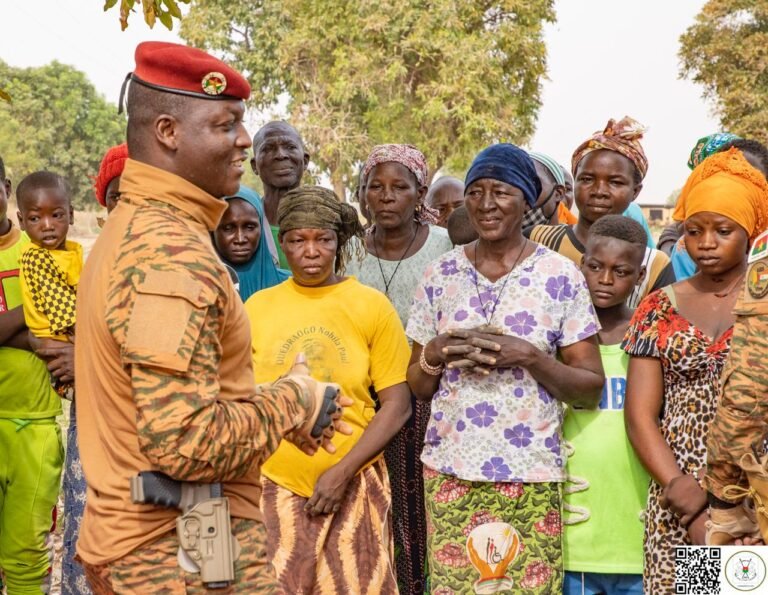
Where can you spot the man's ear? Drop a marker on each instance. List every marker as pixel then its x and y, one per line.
pixel 254 168
pixel 559 193
pixel 306 160
pixel 8 187
pixel 166 131
pixel 641 276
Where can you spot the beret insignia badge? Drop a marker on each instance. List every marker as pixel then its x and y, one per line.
pixel 214 83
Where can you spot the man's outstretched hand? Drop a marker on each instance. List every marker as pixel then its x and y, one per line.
pixel 325 411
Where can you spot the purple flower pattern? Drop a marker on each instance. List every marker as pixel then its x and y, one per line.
pixel 488 425
pixel 519 436
pixel 483 305
pixel 559 288
pixel 482 414
pixel 432 437
pixel 496 469
pixel 451 374
pixel 449 267
pixel 553 443
pixel 521 323
pixel 544 395
pixel 554 337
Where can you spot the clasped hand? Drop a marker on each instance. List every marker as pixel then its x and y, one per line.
pixel 684 498
pixel 481 349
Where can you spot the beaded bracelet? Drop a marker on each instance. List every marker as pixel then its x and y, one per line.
pixel 429 369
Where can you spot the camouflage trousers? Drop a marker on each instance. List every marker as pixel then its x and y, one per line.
pixel 741 419
pixel 153 568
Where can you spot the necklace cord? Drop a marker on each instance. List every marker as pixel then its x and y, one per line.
pixel 489 319
pixel 387 283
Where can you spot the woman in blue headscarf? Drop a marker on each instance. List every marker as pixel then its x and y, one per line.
pixel 242 246
pixel 503 332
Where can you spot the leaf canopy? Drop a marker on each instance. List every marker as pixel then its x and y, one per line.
pixel 58 122
pixel 449 76
pixel 726 51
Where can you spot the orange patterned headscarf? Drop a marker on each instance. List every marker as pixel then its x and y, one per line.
pixel 725 183
pixel 623 137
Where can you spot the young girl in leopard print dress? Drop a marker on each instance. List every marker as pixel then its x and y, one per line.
pixel 679 341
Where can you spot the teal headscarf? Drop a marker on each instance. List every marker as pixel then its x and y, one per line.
pixel 261 271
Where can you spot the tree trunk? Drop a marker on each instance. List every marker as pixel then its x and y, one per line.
pixel 337 181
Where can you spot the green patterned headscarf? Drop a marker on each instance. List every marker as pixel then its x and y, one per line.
pixel 708 145
pixel 314 207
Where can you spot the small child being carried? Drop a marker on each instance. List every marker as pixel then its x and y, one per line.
pixel 50 264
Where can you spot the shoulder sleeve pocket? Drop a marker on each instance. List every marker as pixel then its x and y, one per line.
pixel 166 320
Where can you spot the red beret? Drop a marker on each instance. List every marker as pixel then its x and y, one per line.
pixel 111 166
pixel 175 68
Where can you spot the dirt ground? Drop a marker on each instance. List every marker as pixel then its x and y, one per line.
pixel 58 541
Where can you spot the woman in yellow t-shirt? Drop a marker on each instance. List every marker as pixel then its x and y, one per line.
pixel 328 516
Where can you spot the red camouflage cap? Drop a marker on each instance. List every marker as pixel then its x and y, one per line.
pixel 183 70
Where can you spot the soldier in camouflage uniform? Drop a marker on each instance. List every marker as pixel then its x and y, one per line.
pixel 163 362
pixel 741 421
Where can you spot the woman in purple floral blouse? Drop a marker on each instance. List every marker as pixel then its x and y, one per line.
pixel 503 332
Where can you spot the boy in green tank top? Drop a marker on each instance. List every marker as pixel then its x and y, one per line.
pixel 29 436
pixel 607 486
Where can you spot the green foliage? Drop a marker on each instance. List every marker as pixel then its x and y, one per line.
pixel 449 76
pixel 726 51
pixel 154 10
pixel 57 121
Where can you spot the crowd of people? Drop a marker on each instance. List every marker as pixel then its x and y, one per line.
pixel 460 386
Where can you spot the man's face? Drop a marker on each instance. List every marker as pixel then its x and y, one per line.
pixel 5 192
pixel 112 193
pixel 212 145
pixel 445 197
pixel 568 196
pixel 551 192
pixel 279 158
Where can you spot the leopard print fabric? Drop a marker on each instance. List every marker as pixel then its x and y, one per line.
pixel 692 364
